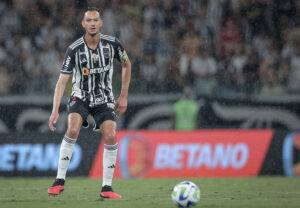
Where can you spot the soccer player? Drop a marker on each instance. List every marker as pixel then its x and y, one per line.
pixel 90 62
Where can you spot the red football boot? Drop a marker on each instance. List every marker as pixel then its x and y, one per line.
pixel 57 187
pixel 107 192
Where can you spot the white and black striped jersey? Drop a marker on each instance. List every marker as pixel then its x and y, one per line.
pixel 93 69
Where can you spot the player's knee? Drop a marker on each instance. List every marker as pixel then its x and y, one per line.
pixel 109 135
pixel 72 132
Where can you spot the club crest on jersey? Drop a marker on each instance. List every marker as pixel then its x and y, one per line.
pixel 95 57
pixel 106 52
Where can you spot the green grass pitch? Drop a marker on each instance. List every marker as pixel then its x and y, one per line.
pixel 144 193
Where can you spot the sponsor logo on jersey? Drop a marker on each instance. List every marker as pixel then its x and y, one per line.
pixel 83 57
pixel 87 71
pixel 123 56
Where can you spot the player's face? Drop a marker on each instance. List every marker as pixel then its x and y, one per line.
pixel 92 22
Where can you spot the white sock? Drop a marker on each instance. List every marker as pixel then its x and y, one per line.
pixel 109 163
pixel 65 155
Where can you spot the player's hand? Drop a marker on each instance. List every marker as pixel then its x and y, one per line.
pixel 121 105
pixel 52 120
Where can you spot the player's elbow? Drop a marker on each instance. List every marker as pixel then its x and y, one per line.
pixel 63 79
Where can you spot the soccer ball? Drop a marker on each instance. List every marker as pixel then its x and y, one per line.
pixel 185 194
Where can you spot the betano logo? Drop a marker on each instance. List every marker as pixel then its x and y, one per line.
pixel 205 153
pixel 195 156
pixel 26 157
pixel 87 71
pixel 135 155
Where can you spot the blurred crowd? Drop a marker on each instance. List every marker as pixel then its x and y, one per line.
pixel 224 47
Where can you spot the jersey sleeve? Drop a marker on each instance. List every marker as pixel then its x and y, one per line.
pixel 69 62
pixel 120 53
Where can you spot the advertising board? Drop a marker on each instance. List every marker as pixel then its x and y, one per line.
pixel 203 153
